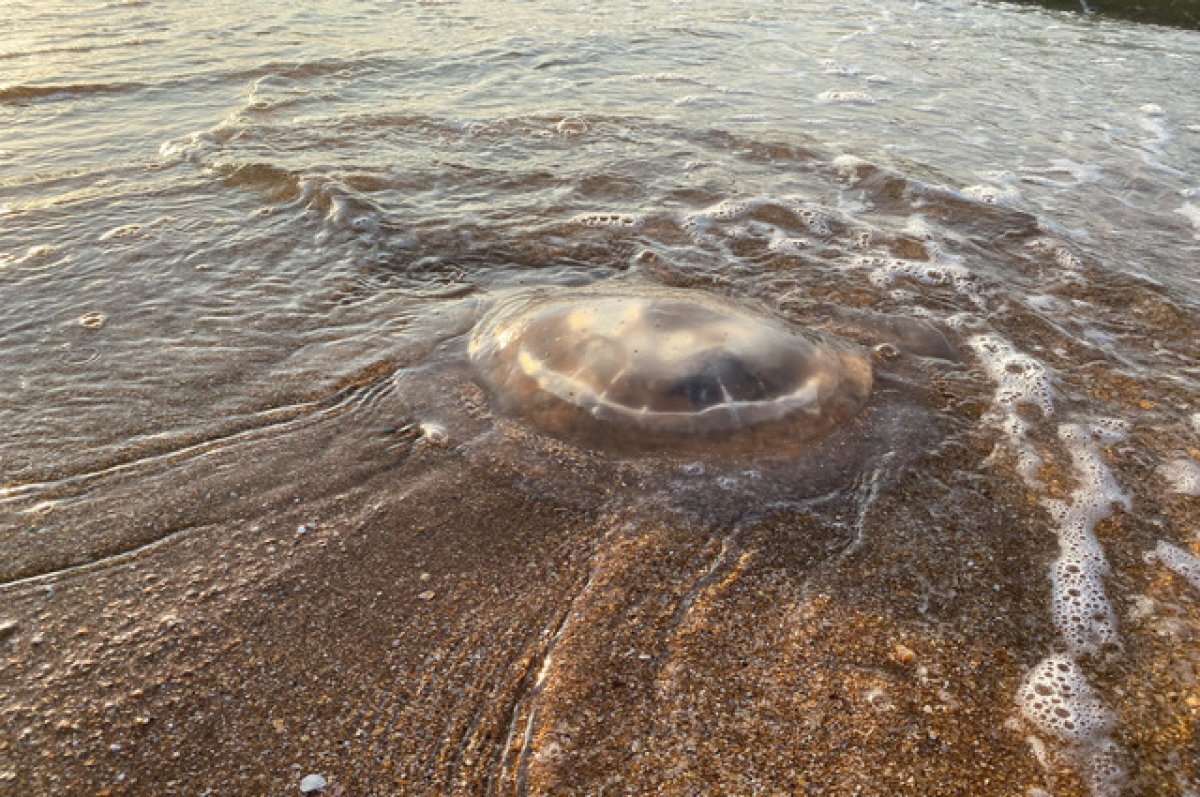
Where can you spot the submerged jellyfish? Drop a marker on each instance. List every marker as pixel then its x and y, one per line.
pixel 654 365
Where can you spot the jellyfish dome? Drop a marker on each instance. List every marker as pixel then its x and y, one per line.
pixel 654 364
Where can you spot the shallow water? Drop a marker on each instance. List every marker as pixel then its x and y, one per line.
pixel 260 518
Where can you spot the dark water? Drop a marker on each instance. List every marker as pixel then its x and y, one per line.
pixel 259 519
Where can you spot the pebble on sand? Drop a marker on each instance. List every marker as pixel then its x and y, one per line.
pixel 313 784
pixel 903 654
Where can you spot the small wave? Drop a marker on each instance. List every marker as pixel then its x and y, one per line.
pixel 1061 173
pixel 298 70
pixel 276 183
pixel 22 94
pixel 13 55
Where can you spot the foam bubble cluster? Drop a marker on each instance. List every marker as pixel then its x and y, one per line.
pixel 1020 380
pixel 670 362
pixel 940 267
pixel 1057 698
pixel 1081 609
pixel 1001 189
pixel 618 221
pixel 1179 562
pixel 1059 701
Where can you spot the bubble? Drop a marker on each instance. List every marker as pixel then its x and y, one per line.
pixel 1021 381
pixel 663 365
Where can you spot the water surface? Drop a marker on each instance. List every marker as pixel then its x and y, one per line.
pixel 259 517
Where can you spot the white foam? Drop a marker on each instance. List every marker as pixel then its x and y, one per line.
pixel 848 166
pixel 1154 149
pixel 1020 381
pixel 925 272
pixel 1161 134
pixel 785 244
pixel 832 67
pixel 919 227
pixel 963 321
pixel 345 213
pixel 194 147
pixel 1044 302
pixel 1179 561
pixel 1182 475
pixel 41 257
pixel 1103 769
pixel 571 126
pixel 1057 698
pixel 732 212
pixel 39 252
pixel 1080 607
pixel 1192 214
pixel 1000 188
pixel 616 221
pixel 845 98
pixel 941 267
pixel 729 209
pixel 1066 259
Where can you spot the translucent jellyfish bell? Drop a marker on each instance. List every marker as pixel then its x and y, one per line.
pixel 657 365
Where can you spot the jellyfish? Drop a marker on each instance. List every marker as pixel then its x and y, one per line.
pixel 659 366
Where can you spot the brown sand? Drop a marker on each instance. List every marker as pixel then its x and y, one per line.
pixel 453 621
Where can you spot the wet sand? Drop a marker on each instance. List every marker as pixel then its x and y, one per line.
pixel 407 616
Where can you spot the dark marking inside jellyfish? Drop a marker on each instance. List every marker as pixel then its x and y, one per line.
pixel 665 368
